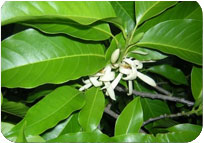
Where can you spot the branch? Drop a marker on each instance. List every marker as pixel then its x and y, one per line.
pixel 165 116
pixel 157 96
pixel 110 112
pixel 163 91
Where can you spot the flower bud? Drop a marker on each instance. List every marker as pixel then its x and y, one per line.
pixel 115 55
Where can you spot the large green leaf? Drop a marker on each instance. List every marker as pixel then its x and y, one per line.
pixel 55 107
pixel 15 108
pixel 125 11
pixel 185 128
pixel 70 125
pixel 173 74
pixel 190 10
pixel 82 12
pixel 96 32
pixel 35 139
pixel 196 83
pixel 36 59
pixel 149 54
pixel 146 9
pixel 6 127
pixel 131 118
pixel 91 113
pixel 182 38
pixel 95 136
pixel 136 137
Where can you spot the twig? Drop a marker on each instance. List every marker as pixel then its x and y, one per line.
pixel 165 116
pixel 163 91
pixel 157 96
pixel 110 112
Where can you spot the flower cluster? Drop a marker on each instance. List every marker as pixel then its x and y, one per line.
pixel 127 70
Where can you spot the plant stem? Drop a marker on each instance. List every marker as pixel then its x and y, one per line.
pixel 163 91
pixel 157 96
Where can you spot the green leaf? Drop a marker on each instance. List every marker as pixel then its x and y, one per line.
pixel 91 113
pixel 70 125
pixel 37 59
pixel 196 83
pixel 6 127
pixel 175 75
pixel 131 118
pixel 82 137
pixel 180 133
pixel 21 134
pixel 182 38
pixel 95 32
pixel 81 12
pixel 190 10
pixel 151 54
pixel 15 108
pixel 146 9
pixel 136 137
pixel 125 11
pixel 35 139
pixel 55 107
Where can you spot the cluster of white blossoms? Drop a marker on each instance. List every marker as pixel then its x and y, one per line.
pixel 127 70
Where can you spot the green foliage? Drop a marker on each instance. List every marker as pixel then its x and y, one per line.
pixel 50 51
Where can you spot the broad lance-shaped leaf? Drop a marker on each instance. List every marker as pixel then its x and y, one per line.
pixel 30 58
pixel 146 9
pixel 95 32
pixel 182 38
pixel 95 136
pixel 131 118
pixel 70 125
pixel 53 108
pixel 196 83
pixel 125 11
pixel 190 10
pixel 83 12
pixel 14 108
pixel 175 75
pixel 91 113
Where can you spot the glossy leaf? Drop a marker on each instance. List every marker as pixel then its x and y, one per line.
pixel 136 137
pixel 14 108
pixel 173 74
pixel 55 107
pixel 21 134
pixel 33 97
pixel 82 137
pixel 70 125
pixel 125 11
pixel 146 9
pixel 36 59
pixel 35 139
pixel 182 38
pixel 131 118
pixel 91 113
pixel 82 12
pixel 185 128
pixel 190 10
pixel 6 127
pixel 150 54
pixel 196 83
pixel 96 32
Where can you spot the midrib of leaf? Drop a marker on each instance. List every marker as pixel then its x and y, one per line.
pixel 123 9
pixel 192 12
pixel 63 57
pixel 49 115
pixel 91 108
pixel 148 10
pixel 170 46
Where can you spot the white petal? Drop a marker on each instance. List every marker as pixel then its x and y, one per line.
pixel 115 55
pixel 132 75
pixel 116 80
pixel 86 86
pixel 130 87
pixel 107 76
pixel 138 64
pixel 124 70
pixel 86 81
pixel 139 52
pixel 95 82
pixel 110 90
pixel 129 61
pixel 146 79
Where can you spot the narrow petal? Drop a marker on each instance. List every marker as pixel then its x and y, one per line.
pixel 86 81
pixel 124 70
pixel 86 86
pixel 146 79
pixel 130 87
pixel 116 80
pixel 133 74
pixel 107 76
pixel 138 64
pixel 95 82
pixel 110 90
